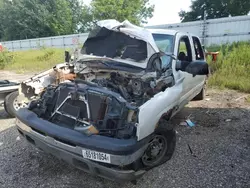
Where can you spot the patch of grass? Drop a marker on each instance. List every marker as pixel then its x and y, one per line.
pixel 5 58
pixel 248 99
pixel 232 69
pixel 34 60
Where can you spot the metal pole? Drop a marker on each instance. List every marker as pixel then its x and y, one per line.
pixel 204 28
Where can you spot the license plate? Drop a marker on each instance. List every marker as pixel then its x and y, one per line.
pixel 96 156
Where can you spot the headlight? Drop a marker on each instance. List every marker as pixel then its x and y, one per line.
pixel 133 116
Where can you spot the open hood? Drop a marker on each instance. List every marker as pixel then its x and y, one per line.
pixel 122 42
pixel 130 29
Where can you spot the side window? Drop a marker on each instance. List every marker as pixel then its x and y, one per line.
pixel 184 51
pixel 199 55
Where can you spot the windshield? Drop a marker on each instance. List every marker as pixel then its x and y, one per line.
pixel 164 42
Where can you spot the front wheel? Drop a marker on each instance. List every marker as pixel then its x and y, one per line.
pixel 11 104
pixel 161 147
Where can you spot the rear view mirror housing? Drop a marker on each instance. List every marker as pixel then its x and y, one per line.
pixel 194 68
pixel 198 68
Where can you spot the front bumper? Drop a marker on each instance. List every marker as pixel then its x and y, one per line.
pixel 73 153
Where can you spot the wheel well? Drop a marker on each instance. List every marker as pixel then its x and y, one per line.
pixel 164 120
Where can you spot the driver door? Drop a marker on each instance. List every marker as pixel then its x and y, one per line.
pixel 187 53
pixel 184 54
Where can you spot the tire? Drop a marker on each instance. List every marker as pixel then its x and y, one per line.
pixel 200 96
pixel 169 137
pixel 9 104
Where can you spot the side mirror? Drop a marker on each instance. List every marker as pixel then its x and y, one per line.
pixel 194 68
pixel 67 56
pixel 198 68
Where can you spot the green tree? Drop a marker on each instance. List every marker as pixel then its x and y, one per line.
pixel 21 19
pixel 76 7
pixel 1 25
pixel 136 11
pixel 215 9
pixel 60 16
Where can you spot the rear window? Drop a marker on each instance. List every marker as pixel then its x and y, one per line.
pixel 164 42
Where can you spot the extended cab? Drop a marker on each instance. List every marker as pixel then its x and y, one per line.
pixel 113 119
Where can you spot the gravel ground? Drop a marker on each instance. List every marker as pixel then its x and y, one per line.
pixel 214 153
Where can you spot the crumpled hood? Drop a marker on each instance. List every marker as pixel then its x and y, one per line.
pixel 130 29
pixel 121 42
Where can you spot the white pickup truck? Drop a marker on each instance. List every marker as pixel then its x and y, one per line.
pixel 113 119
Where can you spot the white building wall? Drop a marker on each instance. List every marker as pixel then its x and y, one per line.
pixel 65 41
pixel 216 31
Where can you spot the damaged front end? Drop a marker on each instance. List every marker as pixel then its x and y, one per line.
pixel 107 105
pixel 87 108
pixel 111 84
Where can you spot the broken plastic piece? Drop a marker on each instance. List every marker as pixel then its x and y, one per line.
pixel 190 123
pixel 88 130
pixel 183 123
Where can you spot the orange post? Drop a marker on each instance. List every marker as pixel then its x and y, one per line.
pixel 1 47
pixel 213 54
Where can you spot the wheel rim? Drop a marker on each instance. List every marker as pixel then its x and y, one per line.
pixel 155 151
pixel 17 105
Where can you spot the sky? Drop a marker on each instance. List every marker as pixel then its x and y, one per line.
pixel 166 11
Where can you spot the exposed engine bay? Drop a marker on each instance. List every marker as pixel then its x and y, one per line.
pixel 104 103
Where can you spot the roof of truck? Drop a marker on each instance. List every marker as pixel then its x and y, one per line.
pixel 163 31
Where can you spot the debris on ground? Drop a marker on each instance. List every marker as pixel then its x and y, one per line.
pixel 183 123
pixel 228 120
pixel 191 151
pixel 187 122
pixel 190 123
